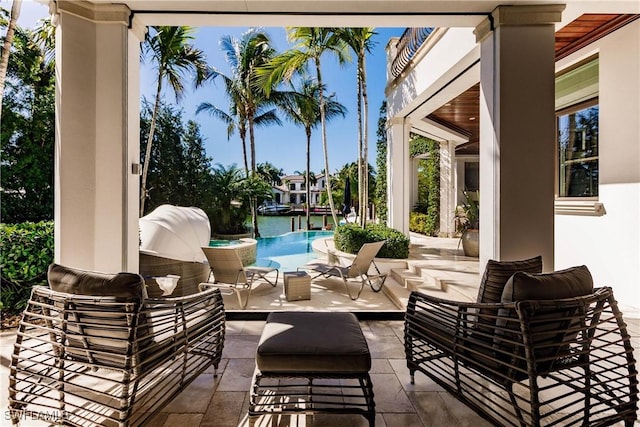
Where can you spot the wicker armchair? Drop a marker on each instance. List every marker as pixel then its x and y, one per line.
pixel 98 359
pixel 543 362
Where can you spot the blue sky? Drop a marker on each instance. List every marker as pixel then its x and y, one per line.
pixel 283 146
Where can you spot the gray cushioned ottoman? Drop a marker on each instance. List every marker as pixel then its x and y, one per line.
pixel 312 362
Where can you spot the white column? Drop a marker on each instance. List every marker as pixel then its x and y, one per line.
pixel 398 174
pixel 447 188
pixel 517 133
pixel 413 182
pixel 97 137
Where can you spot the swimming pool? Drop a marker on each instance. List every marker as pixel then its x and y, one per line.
pixel 288 251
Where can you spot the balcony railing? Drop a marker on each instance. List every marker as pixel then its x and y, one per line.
pixel 407 46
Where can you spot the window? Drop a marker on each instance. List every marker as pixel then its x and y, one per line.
pixel 578 151
pixel 292 187
pixel 472 176
pixel 577 115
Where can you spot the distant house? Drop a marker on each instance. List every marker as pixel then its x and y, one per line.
pixel 293 190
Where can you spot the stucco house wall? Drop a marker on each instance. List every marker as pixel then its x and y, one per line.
pixel 610 244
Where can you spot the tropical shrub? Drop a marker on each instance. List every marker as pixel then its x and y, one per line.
pixel 428 186
pixel 381 163
pixel 232 197
pixel 26 250
pixel 350 238
pixel 422 223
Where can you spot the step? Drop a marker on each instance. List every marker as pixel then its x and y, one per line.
pixel 397 294
pixel 412 280
pixel 456 280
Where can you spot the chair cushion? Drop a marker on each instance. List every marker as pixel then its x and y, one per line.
pixel 122 287
pixel 313 342
pixel 83 282
pixel 497 273
pixel 568 283
pixel 550 330
pixel 492 284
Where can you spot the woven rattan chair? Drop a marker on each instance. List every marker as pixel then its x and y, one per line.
pixel 230 274
pixel 110 360
pixel 359 268
pixel 565 361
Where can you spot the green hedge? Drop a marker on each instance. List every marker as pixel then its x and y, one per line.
pixel 26 250
pixel 422 223
pixel 349 238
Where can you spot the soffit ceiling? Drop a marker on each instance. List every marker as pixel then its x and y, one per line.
pixel 324 6
pixel 462 113
pixel 377 13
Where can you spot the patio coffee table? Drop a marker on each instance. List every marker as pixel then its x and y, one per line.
pixel 312 362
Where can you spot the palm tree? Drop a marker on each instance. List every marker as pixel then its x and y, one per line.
pixel 230 200
pixel 310 45
pixel 244 56
pixel 249 99
pixel 305 111
pixel 360 40
pixel 6 48
pixel 174 57
pixel 270 173
pixel 234 121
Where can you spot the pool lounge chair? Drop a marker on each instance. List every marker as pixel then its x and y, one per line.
pixel 358 269
pixel 229 273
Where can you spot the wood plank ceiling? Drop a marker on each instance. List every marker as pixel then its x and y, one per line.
pixel 462 113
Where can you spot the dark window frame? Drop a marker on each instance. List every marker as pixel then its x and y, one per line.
pixel 593 102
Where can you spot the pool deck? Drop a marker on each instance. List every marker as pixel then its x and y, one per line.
pixel 436 266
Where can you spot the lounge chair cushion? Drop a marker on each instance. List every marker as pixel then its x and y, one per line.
pixel 313 342
pixel 82 282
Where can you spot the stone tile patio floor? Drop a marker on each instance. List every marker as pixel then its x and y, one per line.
pixel 223 401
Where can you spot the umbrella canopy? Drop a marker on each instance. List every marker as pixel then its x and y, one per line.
pixel 347 197
pixel 175 232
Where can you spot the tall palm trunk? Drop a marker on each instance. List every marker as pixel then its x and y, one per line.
pixel 6 49
pixel 252 147
pixel 252 141
pixel 308 178
pixel 324 140
pixel 365 139
pixel 243 139
pixel 360 147
pixel 147 154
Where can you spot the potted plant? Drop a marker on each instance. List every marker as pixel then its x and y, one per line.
pixel 467 218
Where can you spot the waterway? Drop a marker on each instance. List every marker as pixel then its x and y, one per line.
pixel 270 226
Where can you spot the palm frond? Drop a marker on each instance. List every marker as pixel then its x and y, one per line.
pixel 281 68
pixel 267 118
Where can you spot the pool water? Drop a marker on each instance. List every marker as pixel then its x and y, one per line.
pixel 288 251
pixel 217 242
